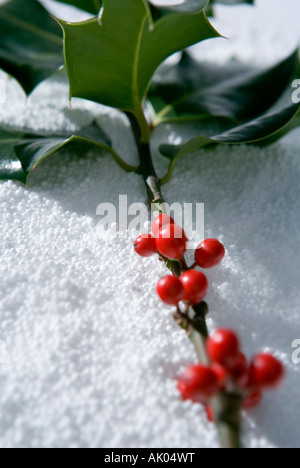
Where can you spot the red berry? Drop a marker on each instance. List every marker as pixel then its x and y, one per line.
pixel 253 399
pixel 171 241
pixel 223 347
pixel 170 290
pixel 220 372
pixel 239 370
pixel 209 253
pixel 195 286
pixel 197 383
pixel 265 371
pixel 161 221
pixel 210 414
pixel 145 245
pixel 183 390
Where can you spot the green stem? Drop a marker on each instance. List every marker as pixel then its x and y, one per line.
pixel 226 406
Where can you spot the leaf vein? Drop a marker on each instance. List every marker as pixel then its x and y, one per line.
pixel 31 27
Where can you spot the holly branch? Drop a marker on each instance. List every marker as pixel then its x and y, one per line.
pixel 117 58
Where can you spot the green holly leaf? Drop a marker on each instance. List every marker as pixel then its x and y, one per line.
pixel 261 131
pixel 20 153
pixel 10 165
pixel 233 2
pixel 130 46
pixel 31 47
pixel 94 6
pixel 91 6
pixel 192 90
pixel 187 6
pixel 210 8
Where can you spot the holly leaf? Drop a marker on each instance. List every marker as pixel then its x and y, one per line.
pixel 261 131
pixel 192 90
pixel 10 165
pixel 31 47
pixel 94 6
pixel 233 2
pixel 91 6
pixel 186 6
pixel 210 8
pixel 20 153
pixel 130 46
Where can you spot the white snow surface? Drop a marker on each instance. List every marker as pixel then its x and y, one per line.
pixel 92 354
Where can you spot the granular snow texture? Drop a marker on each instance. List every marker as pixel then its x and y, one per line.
pixel 92 354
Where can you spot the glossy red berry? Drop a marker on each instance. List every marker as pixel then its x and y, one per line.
pixel 170 290
pixel 171 241
pixel 220 372
pixel 183 390
pixel 223 347
pixel 239 370
pixel 253 399
pixel 197 383
pixel 161 221
pixel 145 245
pixel 265 371
pixel 195 286
pixel 210 414
pixel 209 253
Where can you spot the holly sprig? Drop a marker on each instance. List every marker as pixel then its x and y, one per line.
pixel 224 382
pixel 112 59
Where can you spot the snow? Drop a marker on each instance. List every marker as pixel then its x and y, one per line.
pixel 91 353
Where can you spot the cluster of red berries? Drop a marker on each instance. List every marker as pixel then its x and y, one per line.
pixel 169 241
pixel 229 370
